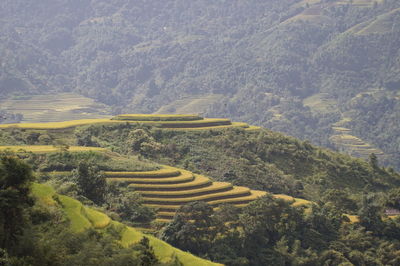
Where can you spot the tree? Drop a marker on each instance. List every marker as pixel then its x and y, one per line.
pixel 192 228
pixel 91 182
pixel 15 182
pixel 370 214
pixel 146 254
pixel 393 198
pixel 142 142
pixel 373 161
pixel 265 222
pixel 132 209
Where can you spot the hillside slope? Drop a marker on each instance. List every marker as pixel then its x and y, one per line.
pixel 320 201
pixel 262 62
pixel 82 218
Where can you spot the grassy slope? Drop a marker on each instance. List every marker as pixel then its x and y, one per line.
pixel 82 217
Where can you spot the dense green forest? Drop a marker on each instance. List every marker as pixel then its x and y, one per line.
pixel 295 66
pixel 268 231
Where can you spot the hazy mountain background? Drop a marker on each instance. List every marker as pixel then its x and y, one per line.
pixel 327 71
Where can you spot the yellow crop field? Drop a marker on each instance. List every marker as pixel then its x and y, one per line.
pixel 341 129
pixel 353 218
pixel 55 107
pixel 198 180
pixel 232 125
pixel 253 128
pixel 301 202
pixel 236 191
pixel 206 122
pixel 254 195
pixel 59 125
pixel 157 117
pixel 166 213
pixel 214 186
pixel 48 148
pixel 184 176
pixel 163 124
pixel 284 197
pixel 164 172
pixel 295 201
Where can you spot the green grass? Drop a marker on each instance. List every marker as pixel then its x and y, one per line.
pixel 98 219
pixel 44 194
pixel 75 213
pixel 162 250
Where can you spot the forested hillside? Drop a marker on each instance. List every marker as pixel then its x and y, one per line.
pixel 296 66
pixel 242 195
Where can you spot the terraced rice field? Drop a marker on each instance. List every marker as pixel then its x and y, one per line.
pixel 168 122
pixel 48 148
pixel 158 117
pixel 169 188
pixel 55 107
pixel 352 144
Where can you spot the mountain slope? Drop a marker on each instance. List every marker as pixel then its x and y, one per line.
pixel 82 218
pixel 264 57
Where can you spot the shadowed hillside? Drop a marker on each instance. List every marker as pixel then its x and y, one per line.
pixel 261 62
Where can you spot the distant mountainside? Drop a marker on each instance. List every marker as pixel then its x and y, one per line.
pixel 327 71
